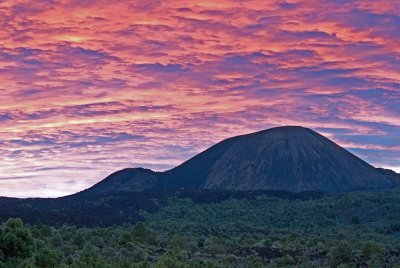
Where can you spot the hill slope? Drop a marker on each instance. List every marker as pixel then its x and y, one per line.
pixel 283 158
pixel 129 179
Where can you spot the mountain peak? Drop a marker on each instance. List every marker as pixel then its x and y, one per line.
pixel 282 132
pixel 283 129
pixel 288 158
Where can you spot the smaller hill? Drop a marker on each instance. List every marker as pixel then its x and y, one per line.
pixel 125 180
pixel 391 175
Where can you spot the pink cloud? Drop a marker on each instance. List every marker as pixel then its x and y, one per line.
pixel 89 87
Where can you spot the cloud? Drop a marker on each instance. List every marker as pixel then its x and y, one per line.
pixel 88 89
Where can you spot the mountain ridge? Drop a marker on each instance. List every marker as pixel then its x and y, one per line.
pixel 289 158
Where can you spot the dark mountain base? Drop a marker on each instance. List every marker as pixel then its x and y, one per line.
pixel 119 208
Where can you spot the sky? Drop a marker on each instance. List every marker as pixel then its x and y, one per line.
pixel 88 87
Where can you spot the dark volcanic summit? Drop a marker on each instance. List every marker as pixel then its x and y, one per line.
pixel 284 158
pixel 129 179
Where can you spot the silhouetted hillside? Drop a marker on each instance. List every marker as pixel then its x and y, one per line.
pixel 283 159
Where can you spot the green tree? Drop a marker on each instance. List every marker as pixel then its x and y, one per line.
pixel 286 260
pixel 342 253
pixel 170 261
pixel 214 246
pixel 373 249
pixel 46 258
pixel 141 233
pixel 89 256
pixel 16 241
pixel 124 239
pixel 177 243
pixel 254 261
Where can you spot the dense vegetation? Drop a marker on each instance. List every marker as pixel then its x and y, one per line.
pixel 120 207
pixel 360 229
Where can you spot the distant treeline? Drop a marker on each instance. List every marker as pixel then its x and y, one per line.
pixel 360 229
pixel 120 207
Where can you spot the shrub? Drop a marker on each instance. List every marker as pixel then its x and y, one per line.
pixel 342 253
pixel 46 258
pixel 373 249
pixel 16 241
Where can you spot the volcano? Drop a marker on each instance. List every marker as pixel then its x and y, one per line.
pixel 287 158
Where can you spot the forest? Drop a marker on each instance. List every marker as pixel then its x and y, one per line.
pixel 355 229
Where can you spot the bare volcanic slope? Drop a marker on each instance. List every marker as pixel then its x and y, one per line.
pixel 284 158
pixel 125 180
